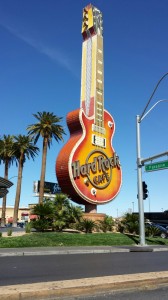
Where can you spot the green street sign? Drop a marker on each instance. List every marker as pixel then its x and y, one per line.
pixel 157 166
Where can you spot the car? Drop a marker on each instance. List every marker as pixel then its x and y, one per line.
pixel 156 230
pixel 163 225
pixel 21 224
pixel 8 225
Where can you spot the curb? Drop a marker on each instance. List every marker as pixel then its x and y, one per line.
pixel 29 252
pixel 58 289
pixel 62 252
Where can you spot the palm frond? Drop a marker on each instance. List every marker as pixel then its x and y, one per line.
pixel 47 127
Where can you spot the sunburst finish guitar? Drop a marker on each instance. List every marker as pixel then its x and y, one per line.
pixel 88 168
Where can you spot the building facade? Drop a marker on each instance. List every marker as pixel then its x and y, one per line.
pixel 24 213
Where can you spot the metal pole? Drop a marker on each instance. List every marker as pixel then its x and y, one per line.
pixel 139 179
pixel 133 207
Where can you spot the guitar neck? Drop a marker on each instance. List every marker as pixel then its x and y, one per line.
pixel 92 74
pixel 99 93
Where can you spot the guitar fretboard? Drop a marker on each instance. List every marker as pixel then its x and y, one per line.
pixel 92 74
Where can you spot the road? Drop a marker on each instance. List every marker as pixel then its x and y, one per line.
pixel 45 268
pixel 154 294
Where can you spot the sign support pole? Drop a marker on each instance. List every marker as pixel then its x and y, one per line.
pixel 153 157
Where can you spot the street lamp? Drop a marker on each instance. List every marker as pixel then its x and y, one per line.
pixel 117 212
pixel 139 162
pixel 133 207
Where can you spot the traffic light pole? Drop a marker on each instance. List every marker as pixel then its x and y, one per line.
pixel 140 162
pixel 139 178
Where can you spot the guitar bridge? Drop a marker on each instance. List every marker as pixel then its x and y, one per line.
pixel 98 141
pixel 98 129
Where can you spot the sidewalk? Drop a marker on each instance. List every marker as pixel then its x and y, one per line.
pixel 85 286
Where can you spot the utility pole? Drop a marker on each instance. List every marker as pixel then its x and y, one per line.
pixel 140 161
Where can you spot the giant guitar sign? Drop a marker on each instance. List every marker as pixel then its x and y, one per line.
pixel 88 168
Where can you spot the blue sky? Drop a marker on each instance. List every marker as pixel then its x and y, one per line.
pixel 40 69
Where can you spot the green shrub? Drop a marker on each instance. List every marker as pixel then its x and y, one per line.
pixel 28 227
pixel 106 224
pixel 130 223
pixel 9 232
pixel 152 231
pixel 40 225
pixel 120 227
pixel 0 234
pixel 87 225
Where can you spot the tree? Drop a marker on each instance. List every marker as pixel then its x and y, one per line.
pixel 23 148
pixel 61 212
pixel 6 157
pixel 48 128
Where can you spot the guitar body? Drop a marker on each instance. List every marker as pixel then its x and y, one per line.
pixel 85 172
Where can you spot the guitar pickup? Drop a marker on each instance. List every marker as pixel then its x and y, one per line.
pixel 98 141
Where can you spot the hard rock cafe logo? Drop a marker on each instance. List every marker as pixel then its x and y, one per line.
pixel 97 169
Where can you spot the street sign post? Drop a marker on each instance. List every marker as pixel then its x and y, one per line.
pixel 156 166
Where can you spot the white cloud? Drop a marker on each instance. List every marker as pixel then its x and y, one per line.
pixel 53 54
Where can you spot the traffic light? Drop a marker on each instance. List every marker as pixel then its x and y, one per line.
pixel 145 190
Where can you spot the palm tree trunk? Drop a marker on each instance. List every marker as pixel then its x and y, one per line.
pixel 18 192
pixel 3 218
pixel 43 170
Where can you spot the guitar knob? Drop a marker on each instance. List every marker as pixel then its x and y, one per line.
pixel 110 124
pixel 86 181
pixel 93 191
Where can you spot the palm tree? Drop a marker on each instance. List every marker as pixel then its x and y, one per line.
pixel 57 213
pixel 48 128
pixel 76 214
pixel 44 211
pixel 61 212
pixel 6 157
pixel 23 148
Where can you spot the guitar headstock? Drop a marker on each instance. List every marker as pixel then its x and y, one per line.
pixel 92 22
